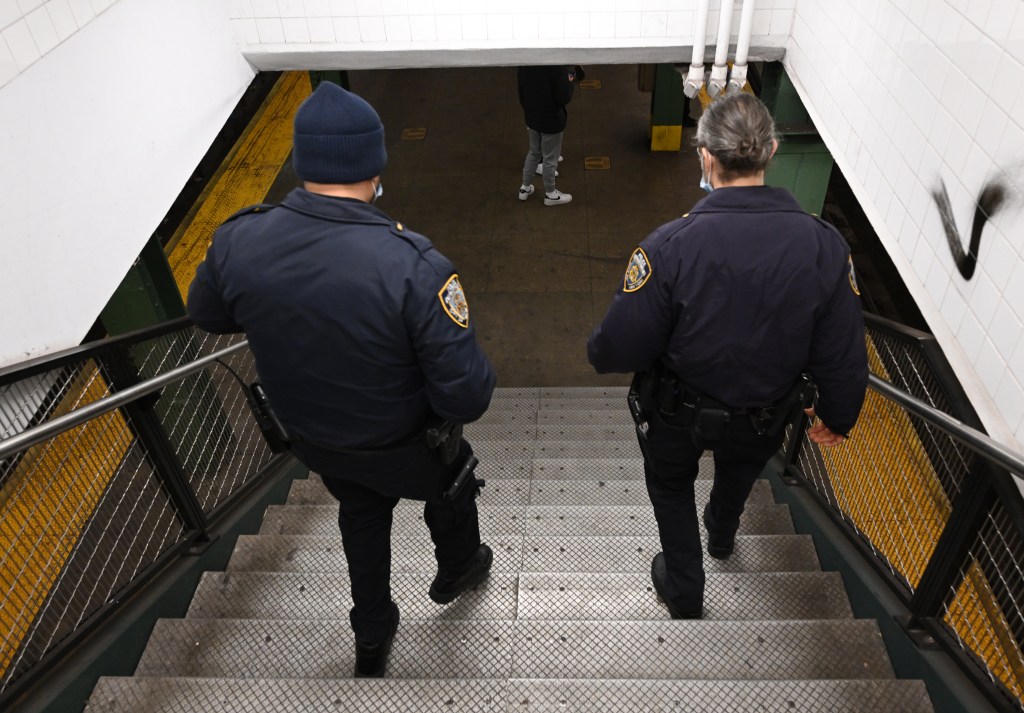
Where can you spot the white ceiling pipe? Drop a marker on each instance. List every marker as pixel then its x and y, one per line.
pixel 738 76
pixel 720 72
pixel 695 77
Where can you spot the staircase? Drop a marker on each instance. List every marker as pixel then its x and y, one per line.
pixel 567 621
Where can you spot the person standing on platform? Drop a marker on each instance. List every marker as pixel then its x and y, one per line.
pixel 362 337
pixel 720 315
pixel 544 93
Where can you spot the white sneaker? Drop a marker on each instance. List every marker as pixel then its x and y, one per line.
pixel 525 192
pixel 540 169
pixel 556 197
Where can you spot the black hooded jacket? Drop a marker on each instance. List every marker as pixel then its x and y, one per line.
pixel 543 94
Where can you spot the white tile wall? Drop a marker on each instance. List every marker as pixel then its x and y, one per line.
pixel 911 93
pixel 29 29
pixel 501 22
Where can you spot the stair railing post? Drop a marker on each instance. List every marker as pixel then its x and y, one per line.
pixel 946 568
pixel 121 371
pixel 791 473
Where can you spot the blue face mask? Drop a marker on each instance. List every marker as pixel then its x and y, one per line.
pixel 704 182
pixel 378 191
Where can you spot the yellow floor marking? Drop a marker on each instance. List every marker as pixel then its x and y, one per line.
pixel 243 179
pixel 46 505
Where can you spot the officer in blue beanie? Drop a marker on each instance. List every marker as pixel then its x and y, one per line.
pixel 362 337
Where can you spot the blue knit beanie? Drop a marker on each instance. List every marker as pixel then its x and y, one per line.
pixel 338 138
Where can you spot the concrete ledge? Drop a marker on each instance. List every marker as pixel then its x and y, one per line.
pixel 323 57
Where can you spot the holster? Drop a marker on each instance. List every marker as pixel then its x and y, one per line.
pixel 444 437
pixel 270 426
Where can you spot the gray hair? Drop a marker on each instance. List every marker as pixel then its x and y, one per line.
pixel 739 132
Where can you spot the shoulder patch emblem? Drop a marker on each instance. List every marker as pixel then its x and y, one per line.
pixel 853 279
pixel 453 300
pixel 637 271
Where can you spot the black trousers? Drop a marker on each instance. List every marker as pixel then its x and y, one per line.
pixel 367 487
pixel 670 466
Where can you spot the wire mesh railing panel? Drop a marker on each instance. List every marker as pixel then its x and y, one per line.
pixel 88 514
pixel 884 482
pixel 206 414
pixel 123 530
pixel 895 483
pixel 903 363
pixel 48 499
pixel 985 613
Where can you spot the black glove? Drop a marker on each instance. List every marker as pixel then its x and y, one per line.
pixel 580 74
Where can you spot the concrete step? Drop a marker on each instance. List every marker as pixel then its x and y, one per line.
pixel 646 650
pixel 529 520
pixel 291 695
pixel 579 491
pixel 513 553
pixel 730 595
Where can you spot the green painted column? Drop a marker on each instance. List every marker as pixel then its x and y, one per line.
pixel 667 103
pixel 803 163
pixel 146 296
pixel 338 76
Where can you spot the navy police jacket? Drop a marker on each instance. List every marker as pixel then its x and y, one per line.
pixel 738 297
pixel 359 326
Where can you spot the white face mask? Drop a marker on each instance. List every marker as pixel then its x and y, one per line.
pixel 704 182
pixel 378 191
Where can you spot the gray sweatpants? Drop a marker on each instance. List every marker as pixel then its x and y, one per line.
pixel 544 148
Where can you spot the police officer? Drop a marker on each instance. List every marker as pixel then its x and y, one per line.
pixel 362 336
pixel 719 314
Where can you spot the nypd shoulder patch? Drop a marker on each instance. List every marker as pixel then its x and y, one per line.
pixel 637 271
pixel 453 300
pixel 853 279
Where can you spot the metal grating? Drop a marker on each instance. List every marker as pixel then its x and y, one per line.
pixel 233 695
pixel 627 492
pixel 985 614
pixel 246 648
pixel 732 596
pixel 754 553
pixel 621 696
pixel 700 650
pixel 502 492
pixel 322 520
pixel 320 595
pixel 300 553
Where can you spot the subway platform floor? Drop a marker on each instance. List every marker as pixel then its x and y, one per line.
pixel 538 278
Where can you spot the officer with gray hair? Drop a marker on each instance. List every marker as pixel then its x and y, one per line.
pixel 722 315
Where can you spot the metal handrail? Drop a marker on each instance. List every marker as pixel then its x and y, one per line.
pixel 1012 460
pixel 60 424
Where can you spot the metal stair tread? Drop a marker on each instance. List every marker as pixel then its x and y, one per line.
pixel 526 520
pixel 732 596
pixel 275 695
pixel 535 595
pixel 251 648
pixel 410 553
pixel 522 491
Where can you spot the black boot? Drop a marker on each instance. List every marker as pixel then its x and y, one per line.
pixel 372 659
pixel 659 574
pixel 447 589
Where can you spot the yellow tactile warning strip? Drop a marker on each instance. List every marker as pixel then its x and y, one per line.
pixel 243 179
pixel 46 505
pixel 886 485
